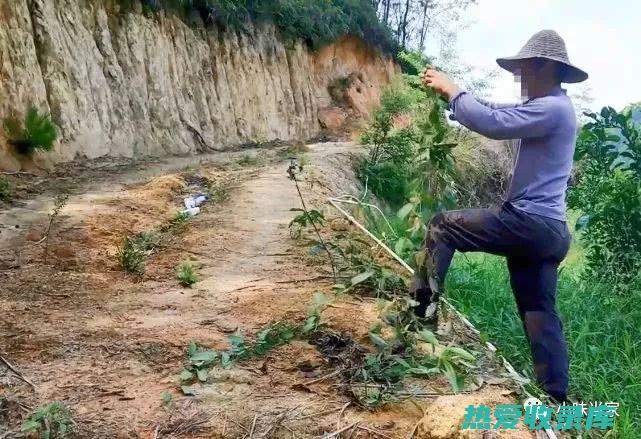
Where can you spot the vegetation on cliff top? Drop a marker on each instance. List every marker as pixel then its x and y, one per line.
pixel 317 22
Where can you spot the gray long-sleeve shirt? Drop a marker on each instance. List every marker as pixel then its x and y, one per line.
pixel 546 127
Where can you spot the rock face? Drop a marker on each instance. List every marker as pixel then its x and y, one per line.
pixel 332 118
pixel 126 84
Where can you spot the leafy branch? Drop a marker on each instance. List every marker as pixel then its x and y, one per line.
pixel 292 171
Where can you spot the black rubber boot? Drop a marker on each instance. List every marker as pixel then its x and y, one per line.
pixel 427 298
pixel 422 296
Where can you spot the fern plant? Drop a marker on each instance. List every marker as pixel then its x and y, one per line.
pixel 35 131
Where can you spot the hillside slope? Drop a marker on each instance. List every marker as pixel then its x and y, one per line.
pixel 127 84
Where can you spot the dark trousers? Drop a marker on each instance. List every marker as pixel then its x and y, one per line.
pixel 534 247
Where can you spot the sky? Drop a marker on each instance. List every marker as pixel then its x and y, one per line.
pixel 603 38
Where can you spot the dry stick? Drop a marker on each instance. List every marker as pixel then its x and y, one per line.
pixel 378 433
pixel 312 279
pixel 278 421
pixel 518 378
pixel 251 431
pixel 323 413
pixel 340 415
pixel 16 372
pixel 320 238
pixel 413 432
pixel 17 173
pixel 323 378
pixel 335 202
pixel 239 424
pixel 340 430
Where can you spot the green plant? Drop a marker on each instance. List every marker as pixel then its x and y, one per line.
pixel 218 193
pixel 305 219
pixel 338 86
pixel 411 165
pixel 135 248
pixel 179 218
pixel 410 149
pixel 200 361
pixel 315 22
pixel 145 241
pixel 58 204
pixel 247 160
pixel 167 398
pixel 355 261
pixel 295 168
pixel 400 356
pixel 5 189
pixel 608 193
pixel 131 257
pixel 34 131
pixel 186 274
pixel 313 320
pixel 51 421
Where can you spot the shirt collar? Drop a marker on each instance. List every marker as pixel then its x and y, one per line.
pixel 557 90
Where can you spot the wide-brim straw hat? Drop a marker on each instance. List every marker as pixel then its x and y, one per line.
pixel 546 44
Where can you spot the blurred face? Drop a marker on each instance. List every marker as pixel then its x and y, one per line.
pixel 534 74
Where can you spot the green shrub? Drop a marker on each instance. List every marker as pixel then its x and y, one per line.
pixel 413 63
pixel 387 180
pixel 338 86
pixel 186 274
pixel 131 256
pixel 607 192
pixel 35 131
pixel 5 189
pixel 50 421
pixel 414 158
pixel 410 163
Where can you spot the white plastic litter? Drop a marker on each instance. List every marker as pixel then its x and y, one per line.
pixel 195 201
pixel 192 211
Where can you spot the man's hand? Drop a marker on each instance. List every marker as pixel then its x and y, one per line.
pixel 440 82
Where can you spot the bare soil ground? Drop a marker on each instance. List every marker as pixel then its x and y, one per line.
pixel 110 344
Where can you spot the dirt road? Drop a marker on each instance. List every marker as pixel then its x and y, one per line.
pixel 110 345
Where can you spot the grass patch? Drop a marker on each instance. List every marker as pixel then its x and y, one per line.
pixel 5 189
pixel 186 274
pixel 601 326
pixel 248 160
pixel 135 248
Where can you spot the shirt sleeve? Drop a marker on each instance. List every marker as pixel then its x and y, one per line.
pixel 496 106
pixel 535 118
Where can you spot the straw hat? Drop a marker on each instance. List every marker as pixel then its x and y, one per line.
pixel 546 44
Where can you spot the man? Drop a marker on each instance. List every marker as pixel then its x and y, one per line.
pixel 529 229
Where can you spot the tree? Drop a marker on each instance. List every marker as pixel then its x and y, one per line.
pixel 413 21
pixel 582 99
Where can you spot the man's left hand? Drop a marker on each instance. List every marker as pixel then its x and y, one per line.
pixel 440 82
